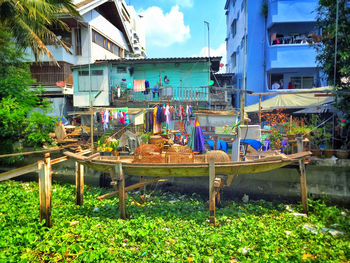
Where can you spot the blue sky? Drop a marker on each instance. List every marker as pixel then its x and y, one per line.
pixel 175 28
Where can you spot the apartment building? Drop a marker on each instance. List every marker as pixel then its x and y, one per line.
pixel 269 45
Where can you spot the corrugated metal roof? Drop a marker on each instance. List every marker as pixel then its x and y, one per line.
pixel 215 61
pixel 155 60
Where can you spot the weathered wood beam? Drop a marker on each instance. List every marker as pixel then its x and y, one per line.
pixel 121 189
pixel 211 192
pixel 45 181
pixel 19 171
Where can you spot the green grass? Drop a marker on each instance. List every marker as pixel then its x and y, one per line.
pixel 163 231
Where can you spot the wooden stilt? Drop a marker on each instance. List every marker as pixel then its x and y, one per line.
pixel 303 187
pixel 121 189
pixel 302 174
pixel 211 192
pixel 142 189
pixel 45 190
pixel 79 183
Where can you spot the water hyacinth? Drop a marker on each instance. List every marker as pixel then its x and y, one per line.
pixel 256 231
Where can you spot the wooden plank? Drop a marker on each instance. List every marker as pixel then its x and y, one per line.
pixel 59 160
pixel 79 183
pixel 211 192
pixel 131 187
pixel 19 171
pixel 121 189
pixel 45 181
pixel 53 149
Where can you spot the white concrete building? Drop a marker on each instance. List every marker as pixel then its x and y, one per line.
pixel 105 30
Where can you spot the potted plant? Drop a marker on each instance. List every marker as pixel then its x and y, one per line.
pixel 316 139
pixel 114 145
pixel 291 135
pixel 343 152
pixel 328 151
pixel 145 137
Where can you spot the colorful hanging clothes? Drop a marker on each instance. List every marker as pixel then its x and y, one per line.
pixel 159 115
pixel 105 119
pixel 157 128
pixel 139 85
pixel 167 115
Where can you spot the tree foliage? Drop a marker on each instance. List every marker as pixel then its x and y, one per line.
pixel 31 22
pixel 326 22
pixel 18 100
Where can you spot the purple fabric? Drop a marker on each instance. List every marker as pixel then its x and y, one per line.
pixel 198 139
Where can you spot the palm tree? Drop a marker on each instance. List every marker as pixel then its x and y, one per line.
pixel 30 22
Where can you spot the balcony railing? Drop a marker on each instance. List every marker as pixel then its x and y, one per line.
pixel 164 94
pixel 50 78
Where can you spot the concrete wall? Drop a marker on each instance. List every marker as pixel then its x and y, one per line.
pixel 291 11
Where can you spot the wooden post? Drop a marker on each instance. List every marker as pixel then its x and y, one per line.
pixel 45 190
pixel 79 183
pixel 121 189
pixel 260 111
pixel 211 192
pixel 302 174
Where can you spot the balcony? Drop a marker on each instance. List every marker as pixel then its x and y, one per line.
pixel 288 56
pixel 287 11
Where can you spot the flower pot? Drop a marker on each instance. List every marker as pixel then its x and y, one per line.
pixel 291 137
pixel 342 154
pixel 316 153
pixel 115 153
pixel 328 153
pixel 105 154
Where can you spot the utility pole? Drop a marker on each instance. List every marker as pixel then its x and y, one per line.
pixel 207 23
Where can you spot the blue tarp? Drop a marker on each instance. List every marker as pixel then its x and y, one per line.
pixel 222 145
pixel 254 143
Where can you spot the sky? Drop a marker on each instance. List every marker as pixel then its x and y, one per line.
pixel 175 28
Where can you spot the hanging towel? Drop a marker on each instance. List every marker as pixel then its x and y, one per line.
pixel 147 88
pixel 139 85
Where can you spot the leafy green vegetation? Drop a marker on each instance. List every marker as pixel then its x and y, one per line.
pixel 167 228
pixel 22 110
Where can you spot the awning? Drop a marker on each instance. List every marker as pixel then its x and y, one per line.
pixel 289 100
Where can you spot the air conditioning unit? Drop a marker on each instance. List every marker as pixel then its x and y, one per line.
pixel 67 90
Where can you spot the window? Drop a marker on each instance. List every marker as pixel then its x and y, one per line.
pixel 121 69
pixel 234 28
pixel 301 82
pixel 233 60
pixel 97 72
pixel 276 81
pixel 105 43
pixel 95 81
pixel 83 73
pixel 78 46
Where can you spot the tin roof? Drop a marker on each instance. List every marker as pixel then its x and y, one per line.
pixel 215 61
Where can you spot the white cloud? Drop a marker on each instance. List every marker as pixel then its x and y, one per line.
pixel 164 29
pixel 184 3
pixel 219 52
